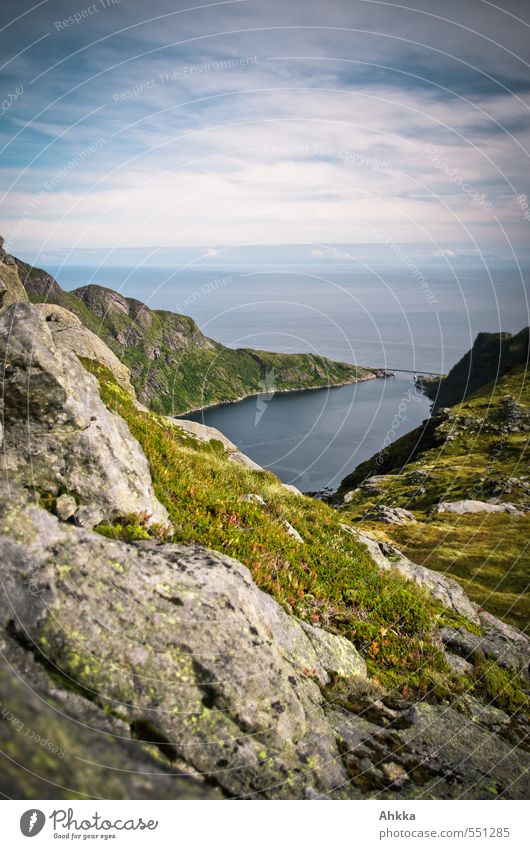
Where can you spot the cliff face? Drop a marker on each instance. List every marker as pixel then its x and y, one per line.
pixel 174 367
pixel 11 288
pixel 297 660
pixel 490 358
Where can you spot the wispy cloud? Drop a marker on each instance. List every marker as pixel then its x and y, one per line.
pixel 266 122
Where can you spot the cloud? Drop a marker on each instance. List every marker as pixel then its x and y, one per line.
pixel 252 123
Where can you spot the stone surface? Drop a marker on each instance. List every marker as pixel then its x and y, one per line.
pixel 252 498
pixel 65 507
pixel 69 334
pixel 511 654
pixel 183 646
pixel 58 435
pixel 213 675
pixel 468 505
pixel 445 589
pixel 11 289
pixel 389 515
pixel 205 433
pixel 458 664
pixel 432 751
pixel 292 531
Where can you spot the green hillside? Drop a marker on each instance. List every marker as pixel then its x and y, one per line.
pixel 475 450
pixel 174 367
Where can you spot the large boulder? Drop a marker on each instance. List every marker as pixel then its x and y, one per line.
pixel 59 438
pixel 180 643
pixel 389 515
pixel 471 505
pixel 177 648
pixel 70 334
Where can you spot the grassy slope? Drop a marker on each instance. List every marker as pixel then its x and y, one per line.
pixel 175 368
pixel 329 579
pixel 473 453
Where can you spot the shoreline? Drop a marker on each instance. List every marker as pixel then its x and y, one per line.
pixel 363 379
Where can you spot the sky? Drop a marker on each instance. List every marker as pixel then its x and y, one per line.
pixel 281 129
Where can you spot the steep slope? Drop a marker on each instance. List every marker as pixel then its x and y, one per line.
pixel 174 367
pixel 455 475
pixel 491 357
pixel 313 667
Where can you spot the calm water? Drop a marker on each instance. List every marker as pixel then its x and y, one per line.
pixel 378 317
pixel 313 439
pixel 372 317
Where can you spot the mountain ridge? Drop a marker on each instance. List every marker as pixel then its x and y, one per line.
pixel 174 367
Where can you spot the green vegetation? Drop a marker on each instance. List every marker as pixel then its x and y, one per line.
pixel 476 450
pixel 501 687
pixel 329 580
pixel 174 367
pixel 490 358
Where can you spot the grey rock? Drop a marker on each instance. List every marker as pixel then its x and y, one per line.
pixel 64 744
pixel 58 435
pixel 69 334
pixel 292 531
pixel 508 653
pixel 65 507
pixel 375 483
pixel 458 664
pixel 389 515
pixel 11 289
pixel 488 715
pixel 252 498
pixel 181 643
pixel 445 589
pixel 469 505
pixel 440 753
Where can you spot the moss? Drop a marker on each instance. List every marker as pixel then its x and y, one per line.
pixel 505 689
pixel 133 526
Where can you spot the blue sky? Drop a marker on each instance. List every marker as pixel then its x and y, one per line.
pixel 337 127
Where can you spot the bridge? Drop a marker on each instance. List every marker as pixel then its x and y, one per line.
pixel 418 372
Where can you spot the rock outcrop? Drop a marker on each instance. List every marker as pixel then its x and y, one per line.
pixel 205 433
pixel 389 515
pixel 445 589
pixel 176 648
pixel 184 647
pixel 11 289
pixel 470 505
pixel 69 334
pixel 58 435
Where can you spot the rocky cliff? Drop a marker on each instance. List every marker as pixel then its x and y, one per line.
pixel 492 356
pixel 166 634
